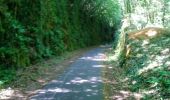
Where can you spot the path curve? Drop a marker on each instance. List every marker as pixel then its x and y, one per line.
pixel 81 81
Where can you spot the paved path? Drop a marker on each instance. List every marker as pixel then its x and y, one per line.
pixel 81 81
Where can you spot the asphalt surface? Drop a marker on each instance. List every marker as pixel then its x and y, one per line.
pixel 81 81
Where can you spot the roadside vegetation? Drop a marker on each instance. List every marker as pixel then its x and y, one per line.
pixel 141 61
pixel 43 31
pixel 32 31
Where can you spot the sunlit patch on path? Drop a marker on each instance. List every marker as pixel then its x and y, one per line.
pixel 82 81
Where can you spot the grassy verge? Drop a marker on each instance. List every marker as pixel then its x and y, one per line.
pixel 115 80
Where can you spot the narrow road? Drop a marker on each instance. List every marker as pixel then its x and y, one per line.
pixel 81 81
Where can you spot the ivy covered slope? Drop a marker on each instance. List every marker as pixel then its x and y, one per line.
pixel 31 30
pixel 148 64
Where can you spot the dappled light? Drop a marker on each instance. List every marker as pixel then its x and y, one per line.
pixel 148 33
pixel 81 81
pixel 146 13
pixel 142 53
pixel 98 66
pixel 127 95
pixel 147 63
pixel 9 93
pixel 156 61
pixel 34 31
pixel 96 58
pixel 85 49
pixel 6 94
pixel 118 88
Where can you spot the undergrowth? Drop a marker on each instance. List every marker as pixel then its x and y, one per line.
pixel 34 30
pixel 148 67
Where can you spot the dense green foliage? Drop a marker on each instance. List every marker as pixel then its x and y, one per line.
pixel 31 30
pixel 148 68
pixel 145 62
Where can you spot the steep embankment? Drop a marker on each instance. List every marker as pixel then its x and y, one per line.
pixel 146 67
pixel 34 30
pixel 148 64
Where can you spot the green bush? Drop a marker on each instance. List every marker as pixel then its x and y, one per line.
pixel 31 30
